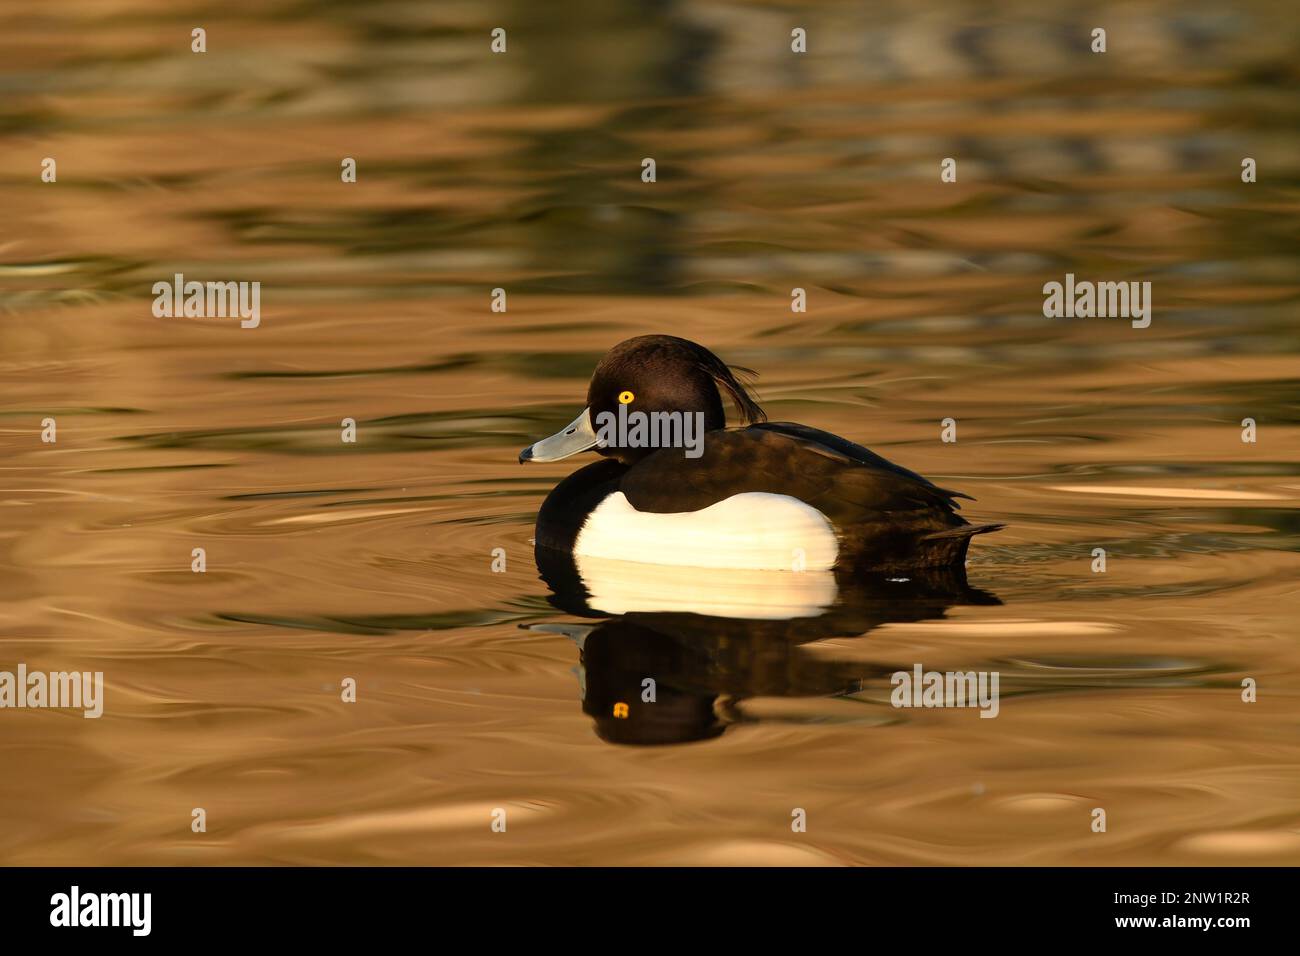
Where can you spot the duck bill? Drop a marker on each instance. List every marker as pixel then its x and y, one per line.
pixel 577 436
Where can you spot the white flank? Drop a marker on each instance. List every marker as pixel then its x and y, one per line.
pixel 625 587
pixel 753 531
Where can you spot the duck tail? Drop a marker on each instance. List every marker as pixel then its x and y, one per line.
pixel 964 531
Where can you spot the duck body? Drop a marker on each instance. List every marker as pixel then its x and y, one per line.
pixel 772 496
pixel 775 496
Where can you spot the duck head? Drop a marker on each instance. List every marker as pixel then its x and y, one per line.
pixel 649 374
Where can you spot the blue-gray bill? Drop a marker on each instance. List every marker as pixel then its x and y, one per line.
pixel 577 436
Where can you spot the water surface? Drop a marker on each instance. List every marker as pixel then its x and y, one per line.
pixel 374 560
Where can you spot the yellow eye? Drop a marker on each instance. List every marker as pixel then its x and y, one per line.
pixel 625 398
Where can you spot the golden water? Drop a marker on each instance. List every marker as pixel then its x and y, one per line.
pixel 373 561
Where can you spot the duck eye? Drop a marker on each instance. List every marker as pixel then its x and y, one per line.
pixel 625 398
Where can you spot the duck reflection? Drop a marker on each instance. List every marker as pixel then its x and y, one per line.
pixel 675 650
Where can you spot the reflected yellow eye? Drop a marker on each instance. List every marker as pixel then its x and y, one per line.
pixel 625 398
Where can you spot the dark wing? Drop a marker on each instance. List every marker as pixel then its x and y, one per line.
pixel 886 517
pixel 852 452
pixel 849 484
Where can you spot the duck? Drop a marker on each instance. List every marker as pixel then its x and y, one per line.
pixel 672 484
